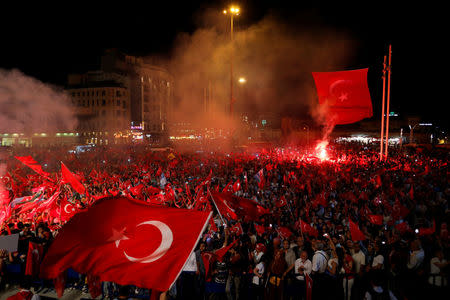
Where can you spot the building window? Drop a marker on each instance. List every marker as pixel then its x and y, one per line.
pixel 103 102
pixel 103 93
pixel 117 93
pixel 118 102
pixel 124 104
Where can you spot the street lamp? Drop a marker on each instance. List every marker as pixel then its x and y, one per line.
pixel 242 80
pixel 231 11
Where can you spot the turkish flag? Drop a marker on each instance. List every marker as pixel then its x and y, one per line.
pixel 220 253
pixel 34 165
pixel 60 284
pixel 237 229
pixel 282 202
pixel 345 95
pixel 375 219
pixel 34 258
pixel 208 259
pixel 427 231
pixel 136 190
pixel 224 206
pixel 122 247
pixel 68 210
pixel 284 232
pixel 356 233
pixel 305 227
pixel 70 178
pixel 260 229
pixel 238 206
pixel 309 284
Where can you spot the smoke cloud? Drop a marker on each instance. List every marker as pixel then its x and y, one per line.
pixel 30 106
pixel 276 59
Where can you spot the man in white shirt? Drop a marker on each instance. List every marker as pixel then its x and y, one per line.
pixel 378 260
pixel 359 259
pixel 417 255
pixel 301 267
pixel 319 265
pixel 320 259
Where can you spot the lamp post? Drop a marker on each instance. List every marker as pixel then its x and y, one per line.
pixel 231 11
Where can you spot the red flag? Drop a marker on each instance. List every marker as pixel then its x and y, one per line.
pixel 94 285
pixel 68 210
pixel 237 229
pixel 34 165
pixel 282 202
pixel 242 207
pixel 411 193
pixel 34 258
pixel 152 190
pixel 213 225
pixel 284 232
pixel 137 190
pixel 224 206
pixel 309 284
pixel 236 186
pixel 60 284
pixel 146 236
pixel 306 228
pixel 70 178
pixel 260 229
pixel 375 219
pixel 208 259
pixel 220 253
pixel 403 227
pixel 427 231
pixel 344 94
pixel 356 233
pixel 260 178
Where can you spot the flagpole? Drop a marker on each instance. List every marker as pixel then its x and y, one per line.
pixel 382 109
pixel 388 102
pixel 218 211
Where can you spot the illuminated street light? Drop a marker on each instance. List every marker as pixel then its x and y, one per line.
pixel 242 80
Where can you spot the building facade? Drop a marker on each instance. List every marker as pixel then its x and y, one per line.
pixel 150 90
pixel 102 106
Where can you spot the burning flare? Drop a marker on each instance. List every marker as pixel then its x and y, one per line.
pixel 321 150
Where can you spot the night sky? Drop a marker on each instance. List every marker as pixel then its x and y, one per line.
pixel 50 41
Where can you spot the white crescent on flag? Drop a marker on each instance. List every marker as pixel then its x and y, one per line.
pixel 65 208
pixel 166 242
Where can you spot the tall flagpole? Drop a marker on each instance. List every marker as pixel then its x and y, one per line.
pixel 382 109
pixel 388 102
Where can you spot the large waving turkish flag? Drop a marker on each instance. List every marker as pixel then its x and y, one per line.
pixel 232 207
pixel 128 242
pixel 345 95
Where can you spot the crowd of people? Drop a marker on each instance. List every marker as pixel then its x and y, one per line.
pixel 344 226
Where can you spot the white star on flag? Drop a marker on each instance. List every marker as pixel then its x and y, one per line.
pixel 118 236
